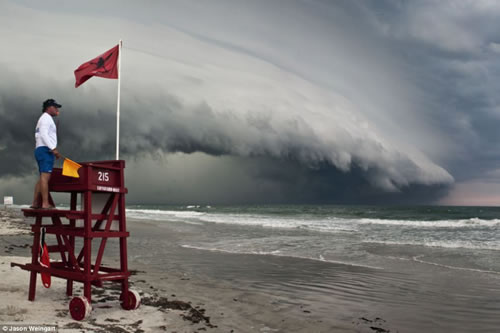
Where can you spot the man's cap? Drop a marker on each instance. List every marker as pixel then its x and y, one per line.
pixel 51 102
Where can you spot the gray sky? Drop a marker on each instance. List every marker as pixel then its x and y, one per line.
pixel 263 101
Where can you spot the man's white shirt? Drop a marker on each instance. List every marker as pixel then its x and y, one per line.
pixel 46 132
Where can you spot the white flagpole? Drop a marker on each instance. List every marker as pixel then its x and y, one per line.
pixel 118 101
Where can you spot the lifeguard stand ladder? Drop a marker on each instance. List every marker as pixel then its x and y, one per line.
pixel 99 183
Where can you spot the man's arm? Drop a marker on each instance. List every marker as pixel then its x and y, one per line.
pixel 56 153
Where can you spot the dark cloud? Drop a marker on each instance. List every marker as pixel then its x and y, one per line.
pixel 351 101
pixel 283 170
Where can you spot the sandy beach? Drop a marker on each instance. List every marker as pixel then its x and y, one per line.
pixel 178 301
pixel 190 288
pixel 157 313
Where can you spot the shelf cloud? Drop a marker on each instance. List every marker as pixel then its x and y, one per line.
pixel 311 104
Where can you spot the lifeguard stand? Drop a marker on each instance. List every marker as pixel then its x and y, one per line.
pixel 102 189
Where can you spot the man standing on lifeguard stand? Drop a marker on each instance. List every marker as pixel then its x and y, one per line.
pixel 45 151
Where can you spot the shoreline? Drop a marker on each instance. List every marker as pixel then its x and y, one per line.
pixel 172 301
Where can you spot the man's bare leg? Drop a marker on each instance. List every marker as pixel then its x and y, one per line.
pixel 44 189
pixel 36 196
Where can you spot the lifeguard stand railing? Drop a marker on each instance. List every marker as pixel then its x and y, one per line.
pixel 100 215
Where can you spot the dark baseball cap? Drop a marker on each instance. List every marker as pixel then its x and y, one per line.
pixel 51 102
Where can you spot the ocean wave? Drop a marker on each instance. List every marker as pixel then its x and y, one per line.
pixel 463 223
pixel 342 224
pixel 160 215
pixel 324 224
pixel 456 244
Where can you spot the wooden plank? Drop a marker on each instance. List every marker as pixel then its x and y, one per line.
pixel 62 273
pixel 106 231
pixel 71 251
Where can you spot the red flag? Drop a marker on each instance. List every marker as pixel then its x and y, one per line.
pixel 44 260
pixel 105 65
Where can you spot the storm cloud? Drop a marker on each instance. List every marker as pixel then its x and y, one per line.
pixel 317 102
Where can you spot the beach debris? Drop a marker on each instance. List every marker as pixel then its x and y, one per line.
pixel 74 325
pixel 11 312
pixel 136 271
pixel 379 329
pixel 372 322
pixel 62 313
pixel 136 324
pixel 112 320
pixel 194 315
pixel 164 303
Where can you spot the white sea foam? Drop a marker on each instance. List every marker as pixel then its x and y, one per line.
pixel 19 206
pixel 162 215
pixel 341 224
pixel 417 259
pixel 464 223
pixel 456 244
pixel 278 253
pixel 326 224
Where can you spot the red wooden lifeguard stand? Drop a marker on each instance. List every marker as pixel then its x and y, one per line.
pixel 100 184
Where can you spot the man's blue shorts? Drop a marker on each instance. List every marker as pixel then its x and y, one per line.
pixel 45 159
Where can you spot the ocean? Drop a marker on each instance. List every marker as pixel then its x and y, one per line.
pixel 461 238
pixel 421 268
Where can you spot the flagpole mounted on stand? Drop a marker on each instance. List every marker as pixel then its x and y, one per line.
pixel 118 101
